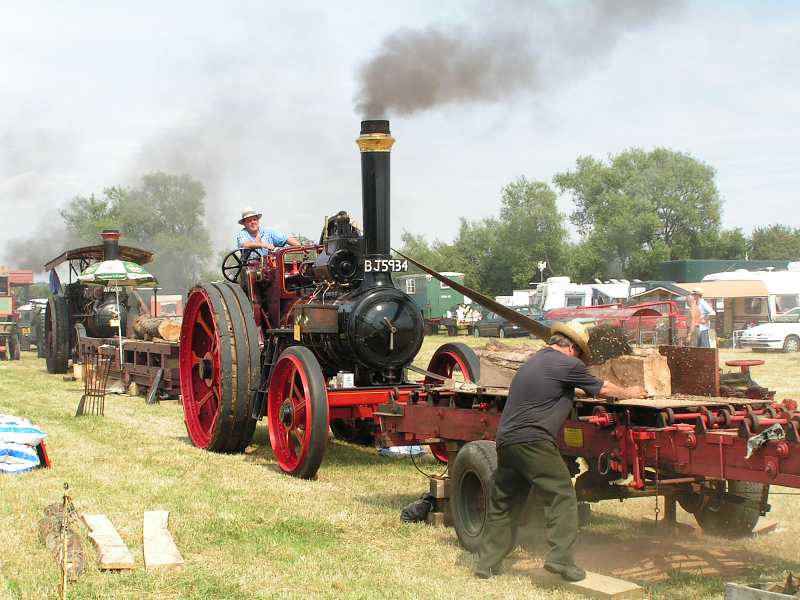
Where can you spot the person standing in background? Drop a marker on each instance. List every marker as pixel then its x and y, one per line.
pixel 692 332
pixel 704 324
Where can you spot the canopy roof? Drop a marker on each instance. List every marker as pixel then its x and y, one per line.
pixel 728 289
pixel 129 253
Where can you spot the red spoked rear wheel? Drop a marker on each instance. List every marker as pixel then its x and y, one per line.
pixel 219 367
pixel 297 412
pixel 454 361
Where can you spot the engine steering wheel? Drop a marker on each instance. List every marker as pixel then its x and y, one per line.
pixel 235 261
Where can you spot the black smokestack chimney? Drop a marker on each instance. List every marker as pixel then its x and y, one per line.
pixel 110 244
pixel 375 144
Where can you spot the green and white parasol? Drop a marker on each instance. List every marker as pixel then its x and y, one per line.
pixel 117 273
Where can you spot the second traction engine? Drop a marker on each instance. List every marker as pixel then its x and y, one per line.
pixel 310 336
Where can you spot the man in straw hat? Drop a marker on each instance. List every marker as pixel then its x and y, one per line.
pixel 260 239
pixel 539 401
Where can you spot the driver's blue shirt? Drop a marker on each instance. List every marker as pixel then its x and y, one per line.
pixel 270 236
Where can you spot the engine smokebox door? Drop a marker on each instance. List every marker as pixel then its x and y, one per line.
pixel 317 318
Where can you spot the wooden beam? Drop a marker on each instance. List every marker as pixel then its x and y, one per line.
pixel 113 552
pixel 160 551
pixel 595 585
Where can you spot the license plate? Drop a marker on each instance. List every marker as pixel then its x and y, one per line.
pixel 25 330
pixel 385 265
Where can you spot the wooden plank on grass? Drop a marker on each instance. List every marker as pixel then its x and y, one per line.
pixel 735 591
pixel 114 553
pixel 595 585
pixel 160 551
pixel 764 526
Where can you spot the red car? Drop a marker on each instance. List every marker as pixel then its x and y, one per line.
pixel 645 322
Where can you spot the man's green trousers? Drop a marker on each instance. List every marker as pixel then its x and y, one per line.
pixel 520 466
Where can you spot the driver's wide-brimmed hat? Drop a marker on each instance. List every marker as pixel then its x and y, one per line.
pixel 247 213
pixel 578 333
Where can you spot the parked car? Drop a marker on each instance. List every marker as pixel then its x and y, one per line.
pixel 493 325
pixel 781 334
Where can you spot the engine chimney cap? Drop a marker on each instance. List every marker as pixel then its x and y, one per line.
pixel 375 126
pixel 110 234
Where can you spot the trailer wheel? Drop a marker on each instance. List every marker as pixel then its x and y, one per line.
pixel 728 518
pixel 13 347
pixel 297 412
pixel 219 367
pixel 471 482
pixel 449 360
pixel 41 327
pixel 56 335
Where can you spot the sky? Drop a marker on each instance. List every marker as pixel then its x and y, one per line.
pixel 261 101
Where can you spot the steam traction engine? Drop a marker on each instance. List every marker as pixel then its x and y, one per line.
pixel 310 336
pixel 77 310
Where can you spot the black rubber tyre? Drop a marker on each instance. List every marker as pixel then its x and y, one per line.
pixel 791 344
pixel 13 347
pixel 358 431
pixel 289 364
pixel 471 482
pixel 732 519
pixel 240 314
pixel 443 359
pixel 224 307
pixel 57 334
pixel 40 327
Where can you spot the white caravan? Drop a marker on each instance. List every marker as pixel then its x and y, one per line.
pixel 783 287
pixel 560 292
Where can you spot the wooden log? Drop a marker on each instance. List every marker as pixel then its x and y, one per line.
pixel 651 372
pixel 146 328
pixel 113 552
pixel 160 551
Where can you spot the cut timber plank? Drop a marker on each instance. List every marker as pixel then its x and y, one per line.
pixel 694 371
pixel 594 586
pixel 160 551
pixel 764 526
pixel 114 554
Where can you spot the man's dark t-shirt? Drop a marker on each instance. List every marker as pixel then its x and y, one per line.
pixel 541 397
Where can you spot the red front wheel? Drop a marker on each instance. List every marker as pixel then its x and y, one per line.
pixel 297 412
pixel 455 361
pixel 219 367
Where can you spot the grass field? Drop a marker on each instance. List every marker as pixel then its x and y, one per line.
pixel 247 531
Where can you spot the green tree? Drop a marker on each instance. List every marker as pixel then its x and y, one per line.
pixel 163 214
pixel 500 253
pixel 640 208
pixel 531 230
pixel 775 242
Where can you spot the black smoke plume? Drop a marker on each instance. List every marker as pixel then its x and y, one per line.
pixel 518 47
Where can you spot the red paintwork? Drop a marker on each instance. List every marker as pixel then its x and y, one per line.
pixel 201 397
pixel 642 316
pixel 704 442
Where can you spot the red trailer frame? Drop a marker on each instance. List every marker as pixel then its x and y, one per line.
pixel 688 447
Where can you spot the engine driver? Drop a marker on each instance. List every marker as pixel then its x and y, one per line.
pixel 260 239
pixel 539 401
